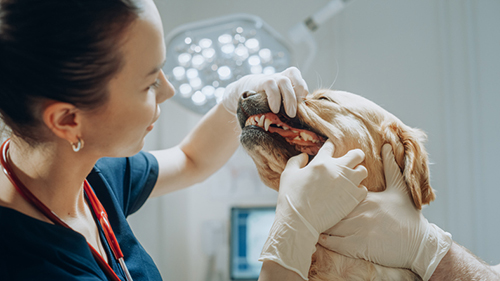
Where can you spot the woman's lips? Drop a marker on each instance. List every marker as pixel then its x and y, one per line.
pixel 153 124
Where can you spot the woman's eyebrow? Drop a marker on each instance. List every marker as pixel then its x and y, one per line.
pixel 156 69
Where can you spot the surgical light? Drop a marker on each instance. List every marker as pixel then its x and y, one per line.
pixel 204 57
pixel 179 72
pixel 185 90
pixel 199 98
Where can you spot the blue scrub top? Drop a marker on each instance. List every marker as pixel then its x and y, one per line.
pixel 31 249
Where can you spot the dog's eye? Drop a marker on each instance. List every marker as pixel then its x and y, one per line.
pixel 327 99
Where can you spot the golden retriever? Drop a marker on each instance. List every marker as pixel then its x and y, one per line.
pixel 350 121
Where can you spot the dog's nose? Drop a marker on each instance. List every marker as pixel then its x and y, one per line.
pixel 248 94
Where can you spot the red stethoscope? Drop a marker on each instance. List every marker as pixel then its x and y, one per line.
pixel 98 209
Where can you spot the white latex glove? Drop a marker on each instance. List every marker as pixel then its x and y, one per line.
pixel 288 85
pixel 311 199
pixel 387 229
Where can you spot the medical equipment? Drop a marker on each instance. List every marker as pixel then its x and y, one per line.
pixel 204 57
pixel 301 33
pixel 249 230
pixel 98 209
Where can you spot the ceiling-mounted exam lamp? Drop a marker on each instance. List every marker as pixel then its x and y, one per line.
pixel 204 57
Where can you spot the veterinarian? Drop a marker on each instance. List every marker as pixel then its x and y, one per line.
pixel 387 229
pixel 80 88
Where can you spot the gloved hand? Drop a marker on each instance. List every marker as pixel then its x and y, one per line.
pixel 387 229
pixel 312 199
pixel 288 85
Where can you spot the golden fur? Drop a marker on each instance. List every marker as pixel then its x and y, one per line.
pixel 350 121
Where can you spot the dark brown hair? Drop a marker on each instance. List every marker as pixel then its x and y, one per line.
pixel 63 50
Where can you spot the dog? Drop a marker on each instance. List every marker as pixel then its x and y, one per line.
pixel 349 121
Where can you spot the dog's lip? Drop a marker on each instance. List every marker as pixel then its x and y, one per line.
pixel 275 136
pixel 294 122
pixel 293 132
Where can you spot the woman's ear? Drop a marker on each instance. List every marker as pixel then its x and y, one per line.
pixel 64 120
pixel 410 154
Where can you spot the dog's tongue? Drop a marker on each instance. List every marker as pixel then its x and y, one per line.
pixel 304 140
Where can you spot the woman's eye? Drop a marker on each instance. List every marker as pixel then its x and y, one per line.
pixel 155 85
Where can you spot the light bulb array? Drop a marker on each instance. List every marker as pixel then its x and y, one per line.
pixel 204 57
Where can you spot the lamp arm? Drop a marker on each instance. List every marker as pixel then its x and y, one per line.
pixel 302 31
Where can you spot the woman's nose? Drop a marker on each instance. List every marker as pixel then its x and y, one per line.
pixel 166 89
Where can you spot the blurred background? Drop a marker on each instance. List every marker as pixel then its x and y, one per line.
pixel 435 64
pixel 432 63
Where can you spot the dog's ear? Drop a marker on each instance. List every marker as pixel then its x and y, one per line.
pixel 411 157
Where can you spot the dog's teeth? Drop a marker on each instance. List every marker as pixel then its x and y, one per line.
pixel 308 137
pixel 261 121
pixel 315 141
pixel 297 138
pixel 295 131
pixel 304 136
pixel 267 123
pixel 286 128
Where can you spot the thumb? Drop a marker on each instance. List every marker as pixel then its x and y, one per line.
pixel 335 244
pixel 297 162
pixel 326 151
pixel 393 177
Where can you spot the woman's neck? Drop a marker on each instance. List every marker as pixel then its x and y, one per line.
pixel 54 173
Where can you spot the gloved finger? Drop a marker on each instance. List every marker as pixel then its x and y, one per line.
pixel 352 158
pixel 298 83
pixel 360 192
pixel 297 162
pixel 393 176
pixel 326 151
pixel 345 227
pixel 337 244
pixel 359 174
pixel 273 95
pixel 288 95
pixel 364 212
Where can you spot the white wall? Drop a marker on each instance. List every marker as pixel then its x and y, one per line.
pixel 433 63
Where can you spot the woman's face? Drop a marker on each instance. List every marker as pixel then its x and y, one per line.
pixel 119 127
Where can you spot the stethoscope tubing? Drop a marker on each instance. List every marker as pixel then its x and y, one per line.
pixel 97 207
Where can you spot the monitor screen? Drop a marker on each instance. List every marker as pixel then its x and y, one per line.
pixel 249 230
